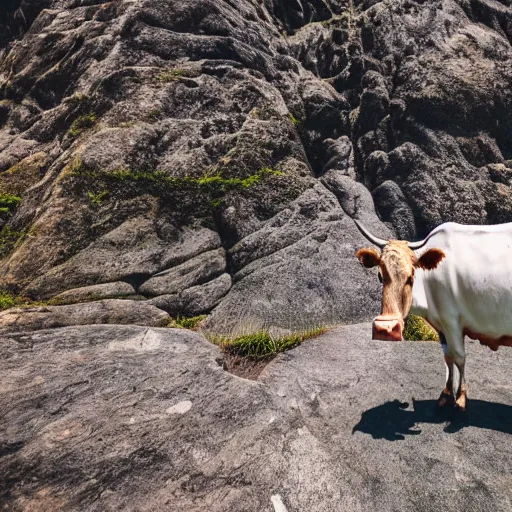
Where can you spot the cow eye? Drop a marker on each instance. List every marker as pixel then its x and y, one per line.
pixel 409 281
pixel 380 276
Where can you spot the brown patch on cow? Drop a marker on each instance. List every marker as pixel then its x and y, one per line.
pixel 430 259
pixel 493 343
pixel 368 257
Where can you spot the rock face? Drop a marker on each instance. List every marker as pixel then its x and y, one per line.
pixel 151 138
pixel 111 311
pixel 108 418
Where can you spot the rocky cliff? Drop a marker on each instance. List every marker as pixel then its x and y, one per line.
pixel 210 155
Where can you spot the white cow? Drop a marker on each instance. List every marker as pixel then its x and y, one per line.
pixel 459 278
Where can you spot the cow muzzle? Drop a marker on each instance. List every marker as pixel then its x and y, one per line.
pixel 387 328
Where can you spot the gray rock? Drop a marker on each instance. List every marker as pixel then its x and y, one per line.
pixel 171 129
pixel 194 271
pixel 339 155
pixel 116 289
pixel 134 249
pixel 109 311
pixel 196 299
pixel 392 206
pixel 300 269
pixel 108 418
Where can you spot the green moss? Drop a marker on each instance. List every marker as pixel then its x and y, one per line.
pixel 262 344
pixel 184 322
pixel 154 114
pixel 7 300
pixel 97 199
pixel 170 75
pixel 82 123
pixel 159 181
pixel 77 99
pixel 10 239
pixel 127 124
pixel 295 121
pixel 8 203
pixel 417 329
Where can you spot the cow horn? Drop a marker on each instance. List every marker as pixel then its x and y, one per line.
pixel 416 245
pixel 379 242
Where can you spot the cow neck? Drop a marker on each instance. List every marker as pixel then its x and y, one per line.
pixel 419 296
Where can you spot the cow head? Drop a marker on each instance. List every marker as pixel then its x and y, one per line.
pixel 397 263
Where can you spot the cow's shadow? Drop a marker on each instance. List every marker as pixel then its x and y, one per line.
pixel 392 420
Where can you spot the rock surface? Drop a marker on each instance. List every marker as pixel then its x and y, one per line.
pixel 108 418
pixel 109 311
pixel 141 135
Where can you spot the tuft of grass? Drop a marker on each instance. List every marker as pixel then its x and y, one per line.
pixel 184 322
pixel 417 329
pixel 10 239
pixel 8 203
pixel 262 344
pixel 97 199
pixel 7 300
pixel 154 114
pixel 295 121
pixel 170 75
pixel 82 123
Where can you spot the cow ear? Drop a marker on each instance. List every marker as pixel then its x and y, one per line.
pixel 430 259
pixel 368 257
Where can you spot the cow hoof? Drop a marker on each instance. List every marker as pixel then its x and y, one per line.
pixel 445 400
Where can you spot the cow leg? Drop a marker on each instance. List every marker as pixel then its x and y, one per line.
pixel 461 401
pixel 446 397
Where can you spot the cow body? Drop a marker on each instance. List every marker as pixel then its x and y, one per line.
pixel 470 292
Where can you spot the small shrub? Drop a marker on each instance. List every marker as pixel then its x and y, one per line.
pixel 8 203
pixel 82 123
pixel 154 114
pixel 7 300
pixel 97 199
pixel 184 322
pixel 262 344
pixel 417 329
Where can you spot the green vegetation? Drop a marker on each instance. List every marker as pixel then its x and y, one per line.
pixel 77 99
pixel 417 329
pixel 183 322
pixel 22 175
pixel 8 203
pixel 10 239
pixel 97 199
pixel 294 120
pixel 159 183
pixel 127 124
pixel 262 344
pixel 82 123
pixel 7 300
pixel 154 114
pixel 170 75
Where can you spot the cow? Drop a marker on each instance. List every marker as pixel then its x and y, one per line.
pixel 459 279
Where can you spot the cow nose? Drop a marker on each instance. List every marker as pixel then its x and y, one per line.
pixel 387 329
